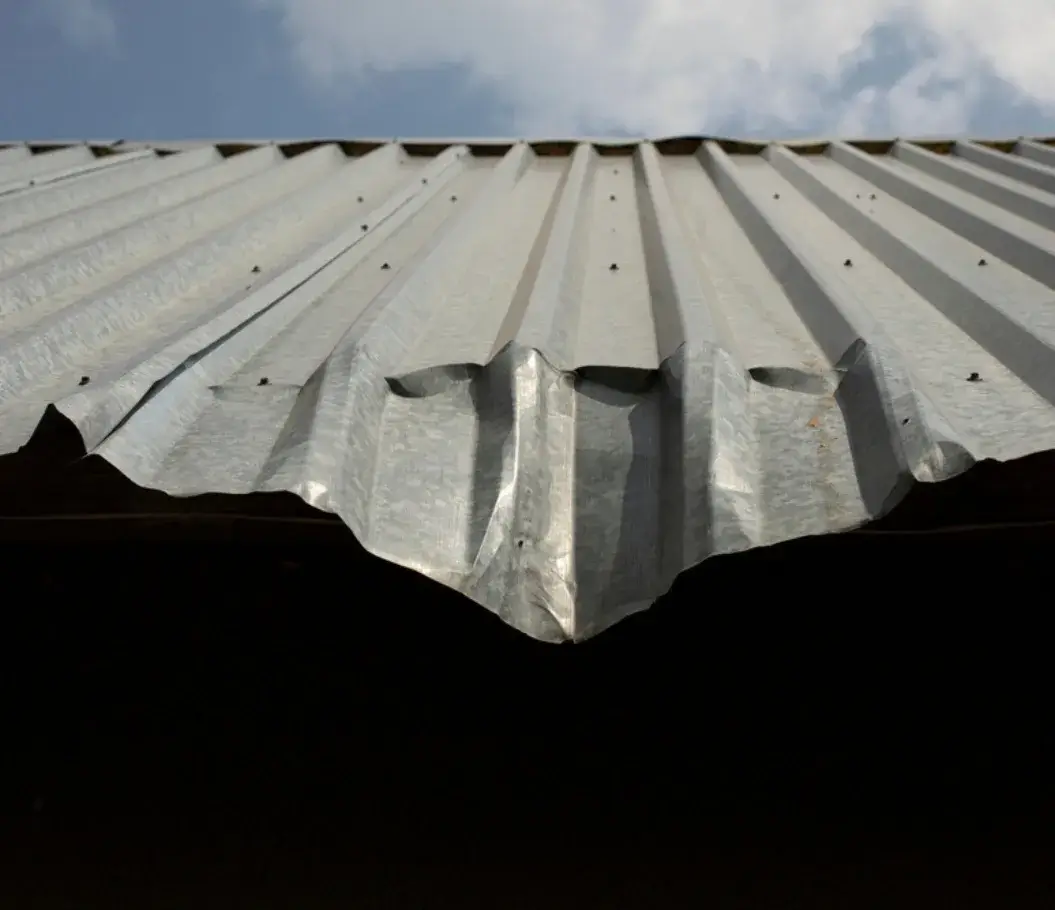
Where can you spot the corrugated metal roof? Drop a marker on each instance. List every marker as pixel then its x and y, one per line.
pixel 551 376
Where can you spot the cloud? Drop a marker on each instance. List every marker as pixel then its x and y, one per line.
pixel 86 24
pixel 669 66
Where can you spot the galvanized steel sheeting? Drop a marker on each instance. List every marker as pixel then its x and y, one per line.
pixel 549 380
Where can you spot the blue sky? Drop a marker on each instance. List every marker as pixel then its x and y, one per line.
pixel 148 69
pixel 209 69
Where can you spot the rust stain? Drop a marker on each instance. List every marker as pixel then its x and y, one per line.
pixel 814 422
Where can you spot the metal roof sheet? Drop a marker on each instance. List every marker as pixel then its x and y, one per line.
pixel 551 376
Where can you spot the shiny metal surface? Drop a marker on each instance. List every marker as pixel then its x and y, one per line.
pixel 551 377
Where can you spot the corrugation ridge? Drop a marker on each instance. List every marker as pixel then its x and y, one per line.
pixel 109 163
pixel 1034 151
pixel 299 457
pixel 514 447
pixel 522 562
pixel 814 303
pixel 228 338
pixel 545 315
pixel 522 525
pixel 351 391
pixel 50 201
pixel 918 429
pixel 1014 166
pixel 1024 255
pixel 706 382
pixel 683 302
pixel 996 189
pixel 376 345
pixel 486 287
pixel 394 320
pixel 39 286
pixel 867 368
pixel 616 321
pixel 987 321
pixel 170 188
pixel 293 356
pixel 766 329
pixel 42 164
pixel 521 515
pixel 515 485
pixel 66 337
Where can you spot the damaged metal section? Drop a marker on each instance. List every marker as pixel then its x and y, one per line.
pixel 553 378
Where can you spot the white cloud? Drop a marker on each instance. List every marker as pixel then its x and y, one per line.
pixel 87 24
pixel 668 66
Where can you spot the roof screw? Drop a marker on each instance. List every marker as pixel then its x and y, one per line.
pixel 84 380
pixel 255 270
pixel 454 198
pixel 614 267
pixel 264 381
pixel 358 198
pixel 385 266
pixel 364 227
pixel 776 195
pixel 974 377
pixel 616 171
pixel 612 197
pixel 982 262
pixel 848 263
pixel 32 182
pixel 424 180
pixel 872 196
pixel 858 196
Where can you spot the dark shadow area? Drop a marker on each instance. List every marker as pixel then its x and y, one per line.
pixel 846 721
pixel 238 710
pixel 793 380
pixel 433 380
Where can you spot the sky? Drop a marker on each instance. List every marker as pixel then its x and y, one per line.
pixel 255 69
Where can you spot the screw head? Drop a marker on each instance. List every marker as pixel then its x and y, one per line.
pixel 84 380
pixel 264 381
pixel 848 263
